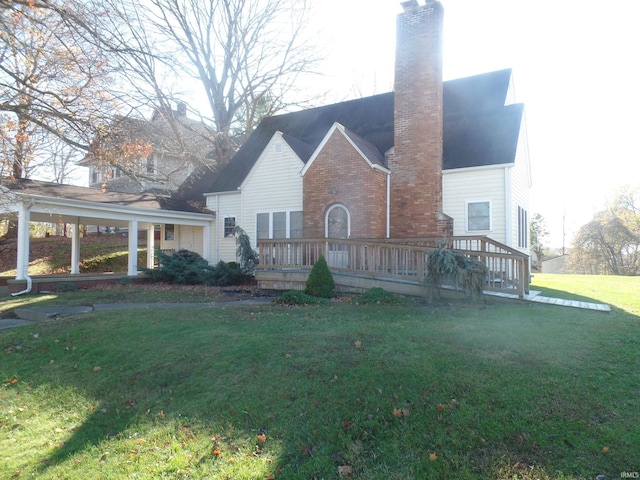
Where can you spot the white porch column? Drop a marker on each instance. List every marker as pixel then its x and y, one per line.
pixel 22 254
pixel 75 248
pixel 133 249
pixel 206 243
pixel 151 245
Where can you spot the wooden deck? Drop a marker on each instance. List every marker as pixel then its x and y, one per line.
pixel 397 261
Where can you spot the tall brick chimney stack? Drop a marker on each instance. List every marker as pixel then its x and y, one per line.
pixel 416 165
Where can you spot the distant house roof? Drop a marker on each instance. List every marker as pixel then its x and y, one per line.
pixel 168 135
pixel 479 130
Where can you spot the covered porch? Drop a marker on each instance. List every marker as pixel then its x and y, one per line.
pixel 26 201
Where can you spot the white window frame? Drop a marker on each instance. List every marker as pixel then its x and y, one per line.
pixel 466 215
pixel 270 213
pixel 224 225
pixel 326 218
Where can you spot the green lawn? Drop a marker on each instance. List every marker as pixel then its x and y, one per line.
pixel 342 391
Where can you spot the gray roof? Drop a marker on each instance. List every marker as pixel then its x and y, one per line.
pixel 478 128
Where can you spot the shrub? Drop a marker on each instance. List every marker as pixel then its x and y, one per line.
pixel 445 266
pixel 184 267
pixel 320 282
pixel 226 274
pixel 296 297
pixel 247 255
pixel 189 268
pixel 380 295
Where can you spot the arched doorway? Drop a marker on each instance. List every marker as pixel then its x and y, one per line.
pixel 337 225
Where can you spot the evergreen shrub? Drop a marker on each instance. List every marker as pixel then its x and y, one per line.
pixel 320 282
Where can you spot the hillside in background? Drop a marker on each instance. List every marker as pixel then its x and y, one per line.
pixel 51 255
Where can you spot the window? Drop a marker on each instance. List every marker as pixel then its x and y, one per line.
pixel 94 176
pixel 279 225
pixel 277 147
pixel 169 232
pixel 229 226
pixel 478 216
pixel 262 226
pixel 295 225
pixel 151 167
pixel 523 228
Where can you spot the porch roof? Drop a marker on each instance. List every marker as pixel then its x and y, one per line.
pixel 51 202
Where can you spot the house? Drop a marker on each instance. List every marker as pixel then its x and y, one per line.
pixel 430 159
pixel 135 155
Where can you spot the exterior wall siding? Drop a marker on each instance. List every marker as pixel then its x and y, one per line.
pixel 225 205
pixel 471 185
pixel 339 175
pixel 520 186
pixel 274 185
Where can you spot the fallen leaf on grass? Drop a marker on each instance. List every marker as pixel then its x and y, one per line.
pixel 11 381
pixel 344 470
pixel 262 437
pixel 17 474
pixel 97 368
pixel 358 343
pixel 433 456
pixel 605 449
pixel 103 456
pixel 401 412
pixel 216 453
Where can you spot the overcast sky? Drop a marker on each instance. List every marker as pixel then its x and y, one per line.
pixel 575 66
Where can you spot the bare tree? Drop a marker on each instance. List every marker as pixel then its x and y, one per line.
pixel 51 85
pixel 246 55
pixel 610 243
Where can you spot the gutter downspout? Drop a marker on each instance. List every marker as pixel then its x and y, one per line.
pixel 508 234
pixel 388 204
pixel 26 290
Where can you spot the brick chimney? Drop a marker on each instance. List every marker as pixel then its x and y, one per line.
pixel 416 164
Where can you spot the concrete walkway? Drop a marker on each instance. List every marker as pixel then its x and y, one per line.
pixel 29 315
pixel 535 297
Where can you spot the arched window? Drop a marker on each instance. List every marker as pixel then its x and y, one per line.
pixel 337 222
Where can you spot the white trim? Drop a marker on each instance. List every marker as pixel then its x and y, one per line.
pixel 507 208
pixel 340 128
pixel 500 166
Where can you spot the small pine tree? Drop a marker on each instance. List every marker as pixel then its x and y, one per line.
pixel 320 282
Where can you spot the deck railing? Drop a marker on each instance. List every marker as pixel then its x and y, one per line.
pixel 403 259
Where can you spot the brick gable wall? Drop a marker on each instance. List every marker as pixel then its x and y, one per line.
pixel 340 168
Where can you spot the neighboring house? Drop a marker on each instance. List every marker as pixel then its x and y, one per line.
pixel 148 156
pixel 554 265
pixel 431 159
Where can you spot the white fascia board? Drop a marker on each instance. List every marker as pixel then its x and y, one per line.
pixel 70 207
pixel 228 192
pixel 341 129
pixel 499 166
